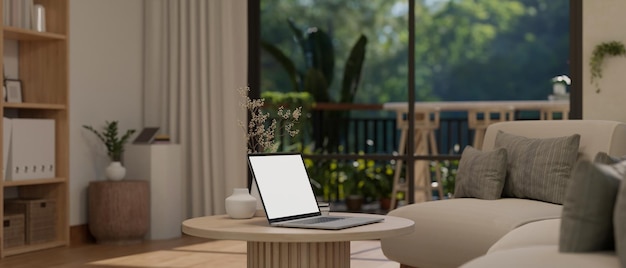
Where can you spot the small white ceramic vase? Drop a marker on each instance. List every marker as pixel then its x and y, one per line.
pixel 115 171
pixel 240 205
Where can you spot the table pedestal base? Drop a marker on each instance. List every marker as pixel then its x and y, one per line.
pixel 296 254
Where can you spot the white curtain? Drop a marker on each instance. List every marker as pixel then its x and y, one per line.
pixel 195 60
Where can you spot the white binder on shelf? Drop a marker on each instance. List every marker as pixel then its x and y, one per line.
pixel 6 145
pixel 32 152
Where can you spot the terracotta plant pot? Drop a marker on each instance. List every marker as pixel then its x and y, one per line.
pixel 385 203
pixel 354 202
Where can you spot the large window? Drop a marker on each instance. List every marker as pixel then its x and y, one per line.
pixel 352 56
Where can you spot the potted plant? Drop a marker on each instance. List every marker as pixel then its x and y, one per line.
pixel 384 185
pixel 601 51
pixel 115 147
pixel 353 192
pixel 559 84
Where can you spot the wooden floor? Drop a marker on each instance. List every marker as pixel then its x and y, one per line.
pixel 184 252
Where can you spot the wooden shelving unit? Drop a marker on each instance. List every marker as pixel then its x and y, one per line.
pixel 44 73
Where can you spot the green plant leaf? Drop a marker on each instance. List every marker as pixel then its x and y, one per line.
pixel 287 64
pixel 109 136
pixel 321 54
pixel 612 48
pixel 352 70
pixel 315 83
pixel 298 35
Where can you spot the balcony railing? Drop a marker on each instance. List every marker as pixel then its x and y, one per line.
pixel 366 146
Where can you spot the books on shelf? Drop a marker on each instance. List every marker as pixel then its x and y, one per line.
pixel 23 14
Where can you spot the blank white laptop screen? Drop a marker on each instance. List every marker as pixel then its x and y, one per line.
pixel 284 184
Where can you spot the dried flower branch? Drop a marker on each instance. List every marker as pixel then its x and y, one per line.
pixel 261 135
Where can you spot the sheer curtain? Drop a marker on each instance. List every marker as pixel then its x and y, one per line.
pixel 195 60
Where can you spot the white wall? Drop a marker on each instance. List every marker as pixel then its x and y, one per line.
pixel 105 84
pixel 604 21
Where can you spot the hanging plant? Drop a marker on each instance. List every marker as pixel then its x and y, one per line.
pixel 612 48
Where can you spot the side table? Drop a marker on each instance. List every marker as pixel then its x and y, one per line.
pixel 119 211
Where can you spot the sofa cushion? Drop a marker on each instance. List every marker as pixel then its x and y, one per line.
pixel 544 232
pixel 587 221
pixel 481 174
pixel 543 256
pixel 538 168
pixel 619 221
pixel 451 232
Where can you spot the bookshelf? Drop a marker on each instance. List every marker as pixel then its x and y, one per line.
pixel 44 75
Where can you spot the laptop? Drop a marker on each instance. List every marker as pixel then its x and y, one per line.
pixel 287 195
pixel 146 136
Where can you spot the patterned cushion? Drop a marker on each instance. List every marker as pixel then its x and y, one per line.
pixel 481 174
pixel 587 220
pixel 538 168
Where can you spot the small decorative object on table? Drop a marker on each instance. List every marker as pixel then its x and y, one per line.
pixel 115 148
pixel 240 205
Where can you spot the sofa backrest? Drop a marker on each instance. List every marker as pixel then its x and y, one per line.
pixel 595 135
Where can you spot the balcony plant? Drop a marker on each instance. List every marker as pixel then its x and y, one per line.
pixel 115 147
pixel 600 52
pixel 317 73
pixel 353 187
pixel 382 185
pixel 560 84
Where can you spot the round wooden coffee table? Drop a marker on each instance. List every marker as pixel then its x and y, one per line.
pixel 294 247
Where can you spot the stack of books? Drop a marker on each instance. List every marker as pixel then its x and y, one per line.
pixel 161 139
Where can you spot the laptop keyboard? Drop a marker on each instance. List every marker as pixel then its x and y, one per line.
pixel 317 220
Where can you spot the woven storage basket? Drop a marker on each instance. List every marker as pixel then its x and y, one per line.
pixel 13 229
pixel 39 215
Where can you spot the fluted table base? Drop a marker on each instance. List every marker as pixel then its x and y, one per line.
pixel 298 254
pixel 278 247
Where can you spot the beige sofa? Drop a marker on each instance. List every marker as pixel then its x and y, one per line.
pixel 506 232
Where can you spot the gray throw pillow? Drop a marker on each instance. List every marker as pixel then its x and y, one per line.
pixel 538 168
pixel 481 174
pixel 605 158
pixel 587 219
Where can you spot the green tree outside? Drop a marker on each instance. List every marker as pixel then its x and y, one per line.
pixel 465 50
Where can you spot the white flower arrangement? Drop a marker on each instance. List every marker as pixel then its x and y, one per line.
pixel 262 136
